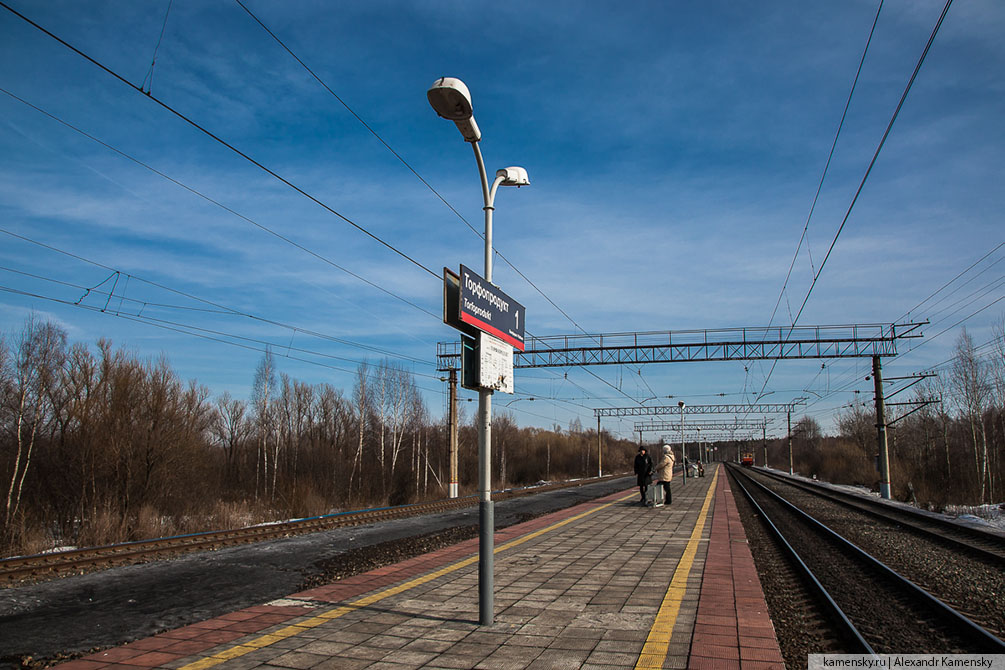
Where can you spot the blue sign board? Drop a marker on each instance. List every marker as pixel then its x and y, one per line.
pixel 488 309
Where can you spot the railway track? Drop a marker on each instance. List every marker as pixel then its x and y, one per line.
pixel 949 604
pixel 42 566
pixel 921 523
pixel 804 622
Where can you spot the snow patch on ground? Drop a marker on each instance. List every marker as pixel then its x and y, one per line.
pixel 991 515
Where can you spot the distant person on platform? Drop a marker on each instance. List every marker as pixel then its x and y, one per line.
pixel 643 472
pixel 664 472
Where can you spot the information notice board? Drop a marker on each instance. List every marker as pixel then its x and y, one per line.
pixel 495 364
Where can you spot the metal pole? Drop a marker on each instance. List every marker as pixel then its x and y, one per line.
pixel 884 456
pixel 764 443
pixel 600 451
pixel 486 514
pixel 790 441
pixel 683 454
pixel 453 491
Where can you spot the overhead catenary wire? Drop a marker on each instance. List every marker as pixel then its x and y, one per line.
pixel 628 388
pixel 219 204
pixel 979 351
pixel 950 282
pixel 218 139
pixel 217 307
pixel 380 139
pixel 827 163
pixel 865 177
pixel 239 341
pixel 956 306
pixel 145 304
pixel 845 386
pixel 970 299
pixel 816 197
pixel 401 159
pixel 875 157
pixel 148 80
pixel 992 283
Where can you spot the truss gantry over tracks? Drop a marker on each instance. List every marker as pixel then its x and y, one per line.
pixel 726 436
pixel 732 344
pixel 702 427
pixel 661 410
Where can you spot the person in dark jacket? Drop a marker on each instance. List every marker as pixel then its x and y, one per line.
pixel 643 472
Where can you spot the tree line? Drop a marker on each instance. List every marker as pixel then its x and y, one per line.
pixel 99 446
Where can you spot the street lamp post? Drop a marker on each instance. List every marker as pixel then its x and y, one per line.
pixel 451 100
pixel 683 454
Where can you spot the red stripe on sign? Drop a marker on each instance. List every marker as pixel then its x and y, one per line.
pixel 492 330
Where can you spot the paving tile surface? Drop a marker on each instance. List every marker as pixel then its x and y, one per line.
pixel 606 584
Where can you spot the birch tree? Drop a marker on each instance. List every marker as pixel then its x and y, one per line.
pixel 362 401
pixel 37 358
pixel 971 382
pixel 261 399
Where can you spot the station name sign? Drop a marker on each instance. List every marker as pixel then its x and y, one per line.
pixel 491 311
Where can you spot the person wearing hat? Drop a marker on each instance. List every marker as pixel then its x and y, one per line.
pixel 643 472
pixel 664 471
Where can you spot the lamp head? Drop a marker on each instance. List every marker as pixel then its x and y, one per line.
pixel 680 403
pixel 513 176
pixel 451 100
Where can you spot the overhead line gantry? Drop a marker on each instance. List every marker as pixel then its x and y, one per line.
pixel 731 344
pixel 737 408
pixel 700 426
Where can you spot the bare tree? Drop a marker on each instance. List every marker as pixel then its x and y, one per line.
pixel 334 419
pixel 504 431
pixel 38 357
pixel 230 428
pixel 997 366
pixel 858 426
pixel 363 400
pixel 971 380
pixel 262 392
pixel 399 398
pixel 419 419
pixel 294 407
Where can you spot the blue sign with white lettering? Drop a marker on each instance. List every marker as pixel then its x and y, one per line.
pixel 488 309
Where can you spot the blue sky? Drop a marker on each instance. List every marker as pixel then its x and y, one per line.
pixel 674 150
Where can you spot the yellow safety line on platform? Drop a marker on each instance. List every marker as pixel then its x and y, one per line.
pixel 654 651
pixel 302 626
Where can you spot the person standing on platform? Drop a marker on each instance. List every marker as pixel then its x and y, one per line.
pixel 643 472
pixel 664 470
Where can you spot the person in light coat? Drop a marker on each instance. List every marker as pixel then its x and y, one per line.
pixel 664 472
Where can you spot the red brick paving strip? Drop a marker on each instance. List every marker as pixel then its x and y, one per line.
pixel 733 630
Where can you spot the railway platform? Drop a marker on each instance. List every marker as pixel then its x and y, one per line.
pixel 605 584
